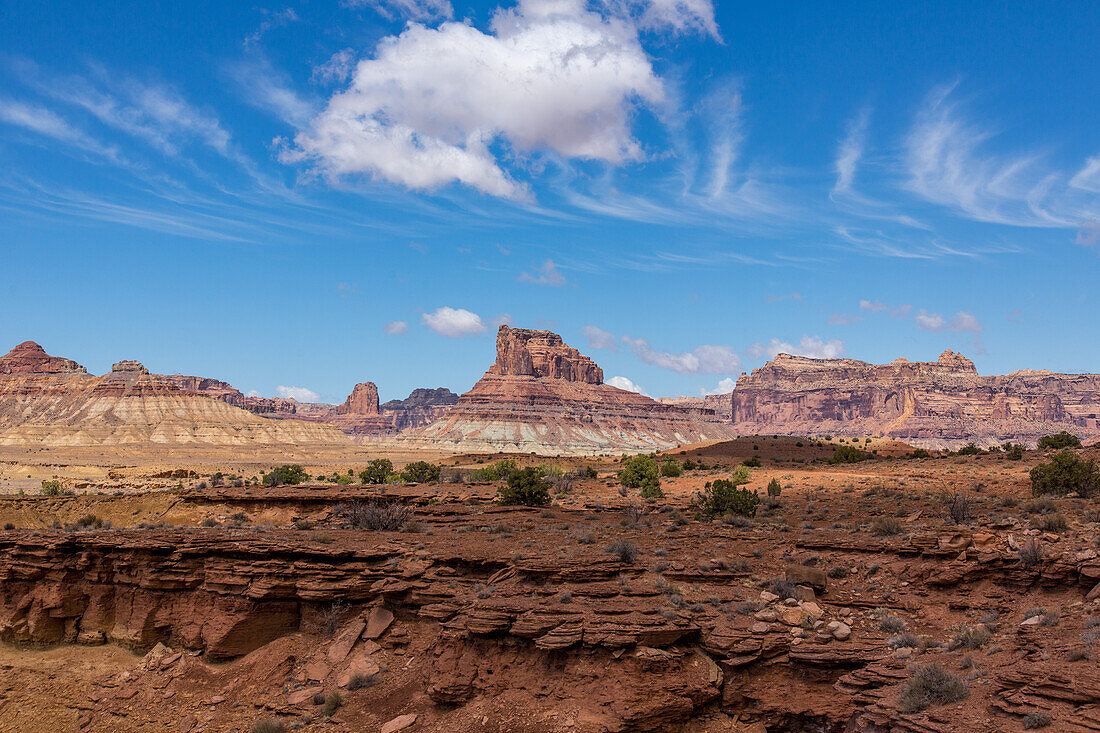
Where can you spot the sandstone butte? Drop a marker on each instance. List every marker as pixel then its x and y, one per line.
pixel 939 404
pixel 360 416
pixel 46 400
pixel 543 396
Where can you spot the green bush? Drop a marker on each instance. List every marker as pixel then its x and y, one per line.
pixel 54 488
pixel 1059 440
pixel 377 471
pixel 421 472
pixel 672 468
pixel 642 472
pixel 498 471
pixel 920 453
pixel 1064 474
pixel 753 462
pixel 689 465
pixel 1013 451
pixel 969 450
pixel 774 487
pixel 721 497
pixel 286 474
pixel 527 486
pixel 848 454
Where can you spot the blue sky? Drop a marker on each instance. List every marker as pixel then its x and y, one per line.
pixel 311 194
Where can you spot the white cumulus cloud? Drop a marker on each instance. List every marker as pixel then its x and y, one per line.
pixel 545 274
pixel 626 384
pixel 396 328
pixel 426 110
pixel 301 394
pixel 725 386
pixel 454 322
pixel 813 347
pixel 706 359
pixel 961 322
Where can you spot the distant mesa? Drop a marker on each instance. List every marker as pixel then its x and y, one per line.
pixel 939 404
pixel 30 358
pixel 51 401
pixel 543 396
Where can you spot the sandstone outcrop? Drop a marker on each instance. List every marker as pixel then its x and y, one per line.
pixel 46 401
pixel 422 407
pixel 939 404
pixel 545 397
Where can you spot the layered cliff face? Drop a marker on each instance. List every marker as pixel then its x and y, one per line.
pixel 51 401
pixel 944 403
pixel 542 396
pixel 422 407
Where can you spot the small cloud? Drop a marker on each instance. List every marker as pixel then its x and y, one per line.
pixel 844 319
pixel 336 70
pixel 300 394
pixel 1014 316
pixel 273 19
pixel 725 386
pixel 252 393
pixel 813 347
pixel 600 339
pixel 503 319
pixel 796 297
pixel 418 246
pixel 878 306
pixel 346 289
pixel 965 322
pixel 545 274
pixel 930 321
pixel 454 322
pixel 625 384
pixel 1089 234
pixel 705 359
pixel 503 250
pixel 396 328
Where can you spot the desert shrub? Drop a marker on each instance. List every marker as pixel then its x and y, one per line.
pixel 377 516
pixel 969 450
pixel 1036 720
pixel 303 524
pixel 344 480
pixel 690 465
pixel 360 681
pixel 781 587
pixel 286 474
pixel 421 472
pixel 848 454
pixel 527 487
pixel 1053 523
pixel 721 497
pixel 268 725
pixel 54 488
pixel 892 624
pixel 332 704
pixel 625 550
pixel 886 527
pixel 9 525
pixel 838 572
pixel 1013 451
pixel 920 453
pixel 753 462
pixel 588 472
pixel 1040 506
pixel 642 472
pixel 960 508
pixel 1065 473
pixel 498 471
pixel 931 685
pixel 969 637
pixel 378 471
pixel 1030 553
pixel 1059 441
pixel 217 479
pixel 774 487
pixel 672 468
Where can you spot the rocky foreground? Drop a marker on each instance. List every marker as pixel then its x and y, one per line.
pixel 598 613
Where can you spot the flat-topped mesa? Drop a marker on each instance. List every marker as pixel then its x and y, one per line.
pixel 129 365
pixel 363 400
pixel 934 404
pixel 542 396
pixel 523 352
pixel 30 358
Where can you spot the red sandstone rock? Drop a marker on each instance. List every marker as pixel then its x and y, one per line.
pixel 29 358
pixel 943 403
pixel 363 400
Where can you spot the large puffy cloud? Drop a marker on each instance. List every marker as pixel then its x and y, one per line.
pixel 706 359
pixel 454 322
pixel 812 346
pixel 428 109
pixel 725 386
